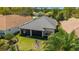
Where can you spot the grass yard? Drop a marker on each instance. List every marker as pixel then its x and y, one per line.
pixel 26 43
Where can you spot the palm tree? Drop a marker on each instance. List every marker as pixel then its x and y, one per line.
pixel 62 41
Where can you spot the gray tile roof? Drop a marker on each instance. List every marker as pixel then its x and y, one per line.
pixel 40 24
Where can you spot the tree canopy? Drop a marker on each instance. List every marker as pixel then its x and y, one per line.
pixel 62 41
pixel 57 13
pixel 16 10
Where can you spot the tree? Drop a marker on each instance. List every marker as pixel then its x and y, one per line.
pixel 75 13
pixel 60 16
pixel 62 41
pixel 55 12
pixel 67 12
pixel 5 11
pixel 11 41
pixel 16 10
pixel 26 11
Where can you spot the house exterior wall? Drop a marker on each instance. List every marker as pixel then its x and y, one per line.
pixel 12 30
pixel 48 31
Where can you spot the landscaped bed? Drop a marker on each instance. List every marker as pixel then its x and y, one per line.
pixel 27 43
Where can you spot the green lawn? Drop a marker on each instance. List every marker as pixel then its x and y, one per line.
pixel 26 43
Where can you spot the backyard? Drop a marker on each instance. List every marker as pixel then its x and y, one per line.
pixel 27 43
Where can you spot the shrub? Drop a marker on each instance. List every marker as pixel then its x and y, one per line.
pixel 9 36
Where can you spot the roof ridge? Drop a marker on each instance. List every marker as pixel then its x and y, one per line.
pixel 52 19
pixel 47 18
pixel 49 21
pixel 33 20
pixel 28 22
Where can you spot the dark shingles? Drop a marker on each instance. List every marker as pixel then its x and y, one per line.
pixel 41 23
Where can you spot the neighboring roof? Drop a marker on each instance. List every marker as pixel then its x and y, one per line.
pixel 41 23
pixel 77 31
pixel 71 25
pixel 11 21
pixel 2 22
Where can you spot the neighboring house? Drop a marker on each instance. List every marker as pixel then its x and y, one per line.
pixel 43 26
pixel 11 23
pixel 71 25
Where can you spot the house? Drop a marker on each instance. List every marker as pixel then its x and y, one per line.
pixel 11 23
pixel 72 24
pixel 42 26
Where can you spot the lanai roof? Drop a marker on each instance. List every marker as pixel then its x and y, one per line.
pixel 40 24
